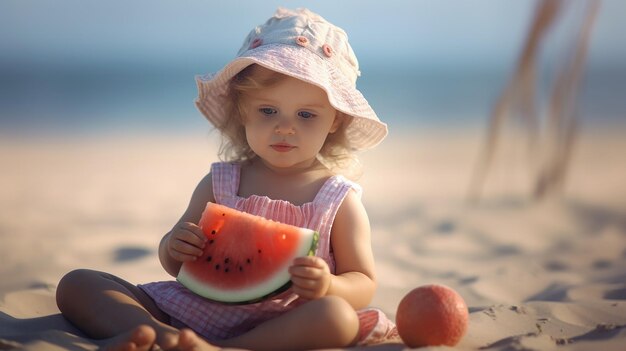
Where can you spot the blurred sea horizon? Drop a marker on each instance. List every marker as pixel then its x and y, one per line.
pixel 111 97
pixel 90 67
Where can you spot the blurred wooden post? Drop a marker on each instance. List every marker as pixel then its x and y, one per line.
pixel 563 114
pixel 518 101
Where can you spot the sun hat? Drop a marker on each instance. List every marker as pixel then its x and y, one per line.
pixel 303 45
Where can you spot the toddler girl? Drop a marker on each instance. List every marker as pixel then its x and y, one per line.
pixel 291 118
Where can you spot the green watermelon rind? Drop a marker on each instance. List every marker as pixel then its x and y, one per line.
pixel 278 284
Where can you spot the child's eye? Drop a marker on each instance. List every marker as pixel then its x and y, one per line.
pixel 268 111
pixel 306 114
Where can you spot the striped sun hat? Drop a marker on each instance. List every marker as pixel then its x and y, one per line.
pixel 303 45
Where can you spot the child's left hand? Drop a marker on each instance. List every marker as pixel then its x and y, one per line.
pixel 310 276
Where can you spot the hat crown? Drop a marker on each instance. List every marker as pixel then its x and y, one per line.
pixel 305 46
pixel 307 30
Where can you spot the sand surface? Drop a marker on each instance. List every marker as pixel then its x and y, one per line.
pixel 545 275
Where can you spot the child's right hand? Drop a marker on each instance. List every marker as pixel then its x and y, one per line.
pixel 186 242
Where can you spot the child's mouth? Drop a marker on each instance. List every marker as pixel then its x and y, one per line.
pixel 282 147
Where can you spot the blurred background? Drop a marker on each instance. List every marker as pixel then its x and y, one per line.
pixel 101 147
pixel 85 66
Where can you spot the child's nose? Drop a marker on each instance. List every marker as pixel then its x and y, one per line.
pixel 284 126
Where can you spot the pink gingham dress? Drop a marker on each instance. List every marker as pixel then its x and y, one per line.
pixel 215 321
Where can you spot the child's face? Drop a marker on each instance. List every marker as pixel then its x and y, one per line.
pixel 287 123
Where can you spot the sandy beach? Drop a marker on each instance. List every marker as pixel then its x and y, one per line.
pixel 547 275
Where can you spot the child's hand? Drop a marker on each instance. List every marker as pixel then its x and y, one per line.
pixel 186 242
pixel 310 276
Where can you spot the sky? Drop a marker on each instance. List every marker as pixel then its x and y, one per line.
pixel 426 32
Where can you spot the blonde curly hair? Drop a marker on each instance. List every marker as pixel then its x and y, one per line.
pixel 336 153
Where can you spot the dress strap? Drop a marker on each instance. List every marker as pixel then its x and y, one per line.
pixel 334 190
pixel 327 202
pixel 225 180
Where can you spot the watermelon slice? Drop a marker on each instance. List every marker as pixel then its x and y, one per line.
pixel 246 258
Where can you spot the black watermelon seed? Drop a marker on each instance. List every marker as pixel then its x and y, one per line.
pixel 226 260
pixel 213 232
pixel 211 241
pixel 240 269
pixel 217 266
pixel 248 261
pixel 208 259
pixel 226 270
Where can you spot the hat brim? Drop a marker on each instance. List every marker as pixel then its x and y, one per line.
pixel 364 131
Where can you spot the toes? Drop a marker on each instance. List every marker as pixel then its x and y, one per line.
pixel 189 341
pixel 143 336
pixel 140 339
pixel 169 341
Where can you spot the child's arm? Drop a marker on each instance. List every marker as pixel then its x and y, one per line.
pixel 185 241
pixel 355 279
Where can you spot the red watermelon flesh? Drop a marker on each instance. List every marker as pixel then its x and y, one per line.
pixel 246 257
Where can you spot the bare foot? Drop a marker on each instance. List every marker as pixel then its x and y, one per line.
pixel 142 338
pixel 190 341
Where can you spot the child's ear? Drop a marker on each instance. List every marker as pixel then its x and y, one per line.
pixel 339 117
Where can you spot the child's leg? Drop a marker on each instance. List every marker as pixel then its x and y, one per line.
pixel 105 306
pixel 327 322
